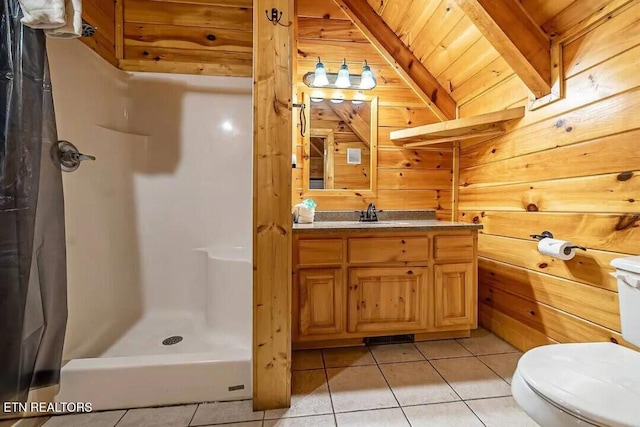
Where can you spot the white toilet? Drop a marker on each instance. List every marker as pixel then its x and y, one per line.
pixel 592 384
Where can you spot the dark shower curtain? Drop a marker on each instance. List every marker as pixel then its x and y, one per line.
pixel 33 299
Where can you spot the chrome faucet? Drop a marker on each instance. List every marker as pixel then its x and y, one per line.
pixel 370 215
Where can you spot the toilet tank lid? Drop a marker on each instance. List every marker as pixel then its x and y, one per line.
pixel 631 264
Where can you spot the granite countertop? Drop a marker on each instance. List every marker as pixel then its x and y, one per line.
pixel 387 225
pixel 390 220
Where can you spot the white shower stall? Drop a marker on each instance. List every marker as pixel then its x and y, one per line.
pixel 158 233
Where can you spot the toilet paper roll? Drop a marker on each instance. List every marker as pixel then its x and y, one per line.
pixel 556 248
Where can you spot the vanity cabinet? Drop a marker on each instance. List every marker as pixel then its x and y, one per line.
pixel 390 299
pixel 320 302
pixel 352 285
pixel 454 293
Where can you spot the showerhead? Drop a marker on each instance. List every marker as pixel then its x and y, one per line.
pixel 88 30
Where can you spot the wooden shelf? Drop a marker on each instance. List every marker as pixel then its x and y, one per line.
pixel 480 127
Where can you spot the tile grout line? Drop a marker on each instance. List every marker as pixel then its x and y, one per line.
pixel 194 414
pixel 491 369
pixel 474 413
pixel 392 393
pixel 326 378
pixel 454 390
pixel 120 419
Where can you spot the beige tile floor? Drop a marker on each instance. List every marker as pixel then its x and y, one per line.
pixel 462 382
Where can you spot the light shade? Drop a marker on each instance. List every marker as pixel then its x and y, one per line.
pixel 320 75
pixel 343 80
pixel 367 81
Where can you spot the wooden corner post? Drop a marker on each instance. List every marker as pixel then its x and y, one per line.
pixel 272 139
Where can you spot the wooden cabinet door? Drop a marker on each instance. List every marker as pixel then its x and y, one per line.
pixel 454 295
pixel 387 299
pixel 320 302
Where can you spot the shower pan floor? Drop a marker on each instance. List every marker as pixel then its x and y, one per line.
pixel 146 338
pixel 139 371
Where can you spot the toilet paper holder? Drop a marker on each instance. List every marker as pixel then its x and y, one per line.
pixel 543 235
pixel 548 234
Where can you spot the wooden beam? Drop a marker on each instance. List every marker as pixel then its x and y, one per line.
pixel 352 119
pixel 400 57
pixel 519 40
pixel 272 144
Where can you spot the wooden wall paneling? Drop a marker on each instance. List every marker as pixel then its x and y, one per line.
pixel 414 179
pixel 101 46
pixel 517 333
pixel 311 49
pixel 219 69
pixel 492 74
pixel 320 9
pixel 517 38
pixel 593 157
pixel 414 159
pixel 613 77
pixel 272 238
pixel 159 54
pixel 617 193
pixel 588 302
pixel 556 324
pixel 590 267
pixel 594 121
pixel 329 29
pixel 102 15
pixel 547 148
pixel 405 117
pixel 468 64
pixel 119 29
pixel 577 57
pixel 605 232
pixel 387 199
pixel 580 13
pixel 506 94
pixel 195 37
pixel 231 3
pixel 180 37
pixel 398 55
pixel 188 14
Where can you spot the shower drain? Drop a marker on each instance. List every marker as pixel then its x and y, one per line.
pixel 172 340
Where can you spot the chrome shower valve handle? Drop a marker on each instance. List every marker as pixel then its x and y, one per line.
pixel 67 157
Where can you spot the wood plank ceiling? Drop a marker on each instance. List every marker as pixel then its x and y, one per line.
pixel 447 43
pixel 214 37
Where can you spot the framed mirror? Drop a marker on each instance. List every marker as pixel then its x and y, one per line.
pixel 340 146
